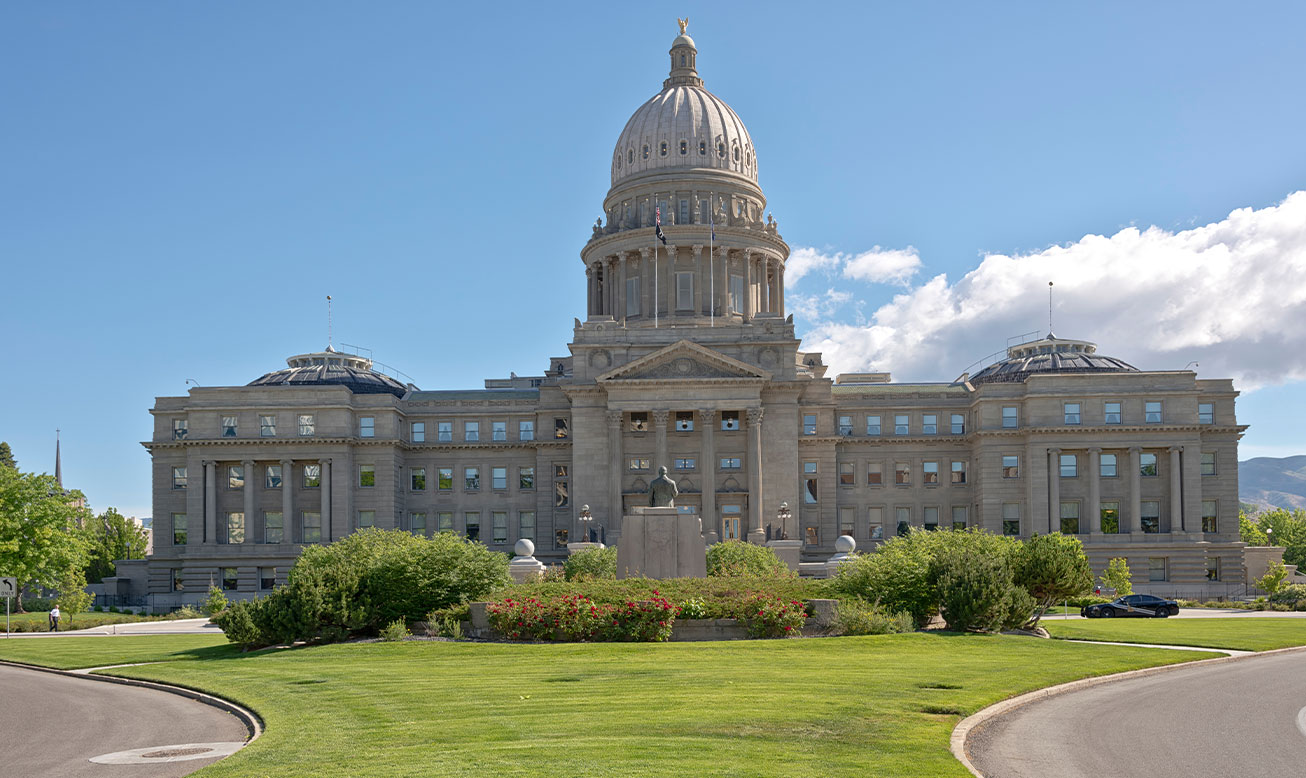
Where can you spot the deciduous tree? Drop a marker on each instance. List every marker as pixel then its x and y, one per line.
pixel 112 536
pixel 40 530
pixel 1117 576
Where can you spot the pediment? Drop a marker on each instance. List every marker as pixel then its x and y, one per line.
pixel 685 361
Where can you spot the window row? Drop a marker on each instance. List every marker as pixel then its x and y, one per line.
pixel 234 528
pixel 682 421
pixel 272 476
pixel 902 518
pixel 929 424
pixel 1109 464
pixel 307 427
pixel 266 577
pixel 1073 415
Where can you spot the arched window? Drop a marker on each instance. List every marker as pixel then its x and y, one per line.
pixel 645 151
pixel 736 153
pixel 682 60
pixel 684 147
pixel 662 149
pixel 721 149
pixel 702 148
pixel 630 156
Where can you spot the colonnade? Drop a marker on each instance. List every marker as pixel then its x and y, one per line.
pixel 1179 486
pixel 254 526
pixel 761 274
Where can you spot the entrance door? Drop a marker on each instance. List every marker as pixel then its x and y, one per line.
pixel 730 516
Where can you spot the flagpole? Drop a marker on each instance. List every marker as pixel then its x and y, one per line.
pixel 658 223
pixel 711 263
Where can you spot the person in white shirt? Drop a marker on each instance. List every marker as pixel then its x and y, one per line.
pixel 54 619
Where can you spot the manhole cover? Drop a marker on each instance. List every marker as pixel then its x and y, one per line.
pixel 168 753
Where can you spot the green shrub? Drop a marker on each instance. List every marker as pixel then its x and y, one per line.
pixel 1052 568
pixel 773 617
pixel 737 559
pixel 1021 608
pixel 975 589
pixel 113 609
pixel 1292 595
pixel 395 631
pixel 216 602
pixel 1117 577
pixel 592 564
pixel 98 609
pixel 574 617
pixel 693 608
pixel 185 612
pixel 237 623
pixel 858 617
pixel 897 576
pixel 37 604
pixel 1085 600
pixel 720 596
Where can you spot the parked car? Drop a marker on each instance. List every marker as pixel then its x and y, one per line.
pixel 1131 605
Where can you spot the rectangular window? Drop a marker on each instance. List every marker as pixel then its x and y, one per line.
pixel 1010 417
pixel 1070 518
pixel 561 429
pixel 312 476
pixel 178 529
pixel 875 518
pixel 875 474
pixel 499 526
pixel 904 520
pixel 419 432
pixel 366 426
pixel 930 518
pixel 902 473
pixel 847 517
pixel 958 424
pixel 174 580
pixel 307 425
pixel 310 524
pixel 180 428
pixel 809 424
pixel 810 468
pixel 267 426
pixel 272 477
pixel 872 425
pixel 229 579
pixel 1111 412
pixel 931 472
pixel 1152 414
pixel 637 463
pixel 499 430
pixel 498 478
pixel 561 487
pixel 1147 464
pixel 1206 415
pixel 685 463
pixel 729 421
pixel 1011 467
pixel 267 578
pixel 1150 514
pixel 1069 466
pixel 632 296
pixel 845 426
pixel 471 479
pixel 1208 463
pixel 472 524
pixel 1107 466
pixel 417 479
pixel 526 429
pixel 683 218
pixel 366 476
pixel 1011 518
pixel 444 431
pixel 444 521
pixel 737 294
pixel 846 476
pixel 1156 568
pixel 178 478
pixel 228 426
pixel 1070 413
pixel 471 430
pixel 930 424
pixel 959 516
pixel 958 472
pixel 526 525
pixel 639 421
pixel 1110 518
pixel 273 527
pixel 812 535
pixel 444 478
pixel 684 421
pixel 684 291
pixel 1209 523
pixel 236 477
pixel 901 424
pixel 1213 568
pixel 366 519
pixel 525 478
pixel 810 492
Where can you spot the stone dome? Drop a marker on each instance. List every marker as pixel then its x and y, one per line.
pixel 1050 355
pixel 331 368
pixel 683 127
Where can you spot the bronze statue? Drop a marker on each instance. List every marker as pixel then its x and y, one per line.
pixel 662 492
pixel 683 24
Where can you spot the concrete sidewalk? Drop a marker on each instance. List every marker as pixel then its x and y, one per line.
pixel 177 627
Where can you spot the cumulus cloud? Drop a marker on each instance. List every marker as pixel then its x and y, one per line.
pixel 806 260
pixel 1230 295
pixel 879 265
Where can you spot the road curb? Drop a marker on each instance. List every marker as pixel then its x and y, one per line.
pixel 253 724
pixel 961 733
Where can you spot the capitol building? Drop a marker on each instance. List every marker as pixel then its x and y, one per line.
pixel 685 357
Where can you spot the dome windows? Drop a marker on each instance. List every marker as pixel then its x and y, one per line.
pixel 662 149
pixel 645 151
pixel 630 156
pixel 684 147
pixel 721 149
pixel 736 152
pixel 702 148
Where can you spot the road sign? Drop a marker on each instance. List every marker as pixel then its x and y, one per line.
pixel 8 587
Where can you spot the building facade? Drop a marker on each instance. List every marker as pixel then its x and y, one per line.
pixel 685 358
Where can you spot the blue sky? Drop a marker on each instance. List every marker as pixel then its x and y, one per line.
pixel 185 183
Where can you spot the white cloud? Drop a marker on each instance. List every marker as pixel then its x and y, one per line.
pixel 1230 295
pixel 804 260
pixel 884 266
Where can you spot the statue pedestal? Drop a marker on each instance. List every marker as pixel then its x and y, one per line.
pixel 661 543
pixel 575 548
pixel 789 551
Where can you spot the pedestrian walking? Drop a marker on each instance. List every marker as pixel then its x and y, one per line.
pixel 54 619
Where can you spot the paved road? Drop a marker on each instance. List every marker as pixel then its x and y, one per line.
pixel 53 724
pixel 177 627
pixel 1213 613
pixel 1241 718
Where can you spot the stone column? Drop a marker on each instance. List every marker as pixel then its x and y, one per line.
pixel 616 466
pixel 748 285
pixel 700 278
pixel 210 501
pixel 248 464
pixel 645 282
pixel 1054 489
pixel 765 262
pixel 1095 491
pixel 756 532
pixel 1176 492
pixel 325 490
pixel 287 500
pixel 660 419
pixel 621 296
pixel 614 294
pixel 722 272
pixel 669 280
pixel 780 288
pixel 589 291
pixel 707 471
pixel 1135 490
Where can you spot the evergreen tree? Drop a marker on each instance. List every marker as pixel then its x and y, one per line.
pixel 7 456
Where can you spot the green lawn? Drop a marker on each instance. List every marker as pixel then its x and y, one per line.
pixel 1246 633
pixel 96 651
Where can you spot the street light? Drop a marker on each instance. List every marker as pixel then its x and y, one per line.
pixel 586 520
pixel 783 516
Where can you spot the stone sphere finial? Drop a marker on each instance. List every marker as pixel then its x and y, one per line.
pixel 524 547
pixel 844 544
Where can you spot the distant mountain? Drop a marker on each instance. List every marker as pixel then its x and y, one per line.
pixel 1273 482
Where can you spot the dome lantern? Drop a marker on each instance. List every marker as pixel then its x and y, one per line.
pixel 684 67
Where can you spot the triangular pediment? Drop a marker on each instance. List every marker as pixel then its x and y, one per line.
pixel 685 360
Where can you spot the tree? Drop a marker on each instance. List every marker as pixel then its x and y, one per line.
pixel 73 597
pixel 1279 527
pixel 1052 567
pixel 40 535
pixel 1275 574
pixel 111 537
pixel 1117 576
pixel 7 456
pixel 1250 532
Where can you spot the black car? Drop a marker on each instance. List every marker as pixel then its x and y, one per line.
pixel 1131 605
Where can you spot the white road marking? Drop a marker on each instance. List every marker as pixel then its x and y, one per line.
pixel 1301 721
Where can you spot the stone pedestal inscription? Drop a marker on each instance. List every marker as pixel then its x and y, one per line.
pixel 661 543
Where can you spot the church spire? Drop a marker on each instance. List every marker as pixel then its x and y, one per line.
pixel 58 469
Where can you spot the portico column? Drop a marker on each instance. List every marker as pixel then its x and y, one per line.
pixel 589 290
pixel 210 502
pixel 325 490
pixel 1176 492
pixel 700 279
pixel 645 283
pixel 669 280
pixel 287 500
pixel 707 417
pixel 622 305
pixel 614 294
pixel 248 464
pixel 1095 492
pixel 616 458
pixel 756 534
pixel 722 270
pixel 780 288
pixel 748 285
pixel 766 284
pixel 1054 489
pixel 1135 490
pixel 660 419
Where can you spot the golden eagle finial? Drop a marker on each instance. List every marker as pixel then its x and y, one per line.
pixel 683 24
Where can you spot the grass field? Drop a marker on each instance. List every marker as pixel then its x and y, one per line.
pixel 1243 633
pixel 96 651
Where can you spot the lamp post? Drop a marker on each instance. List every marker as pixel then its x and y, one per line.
pixel 783 516
pixel 586 520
